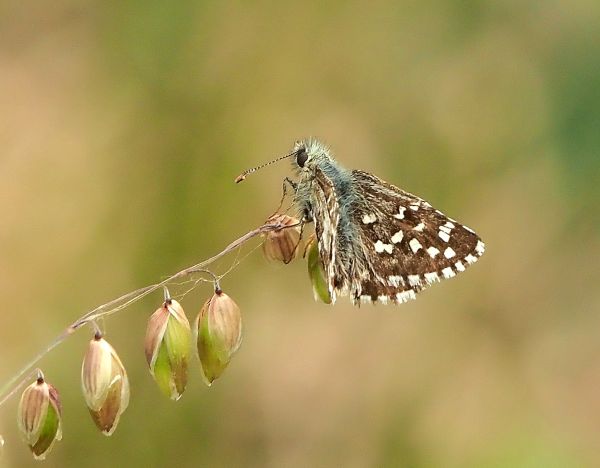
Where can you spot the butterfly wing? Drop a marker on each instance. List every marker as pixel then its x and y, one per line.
pixel 406 242
pixel 325 212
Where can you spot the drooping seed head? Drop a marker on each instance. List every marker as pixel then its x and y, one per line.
pixel 219 334
pixel 105 385
pixel 282 245
pixel 167 348
pixel 39 417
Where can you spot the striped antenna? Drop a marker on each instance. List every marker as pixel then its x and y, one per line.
pixel 247 172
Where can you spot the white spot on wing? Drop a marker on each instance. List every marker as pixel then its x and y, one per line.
pixel 381 247
pixel 419 227
pixel 383 299
pixel 414 207
pixel 449 252
pixel 400 214
pixel 431 277
pixel 470 258
pixel 365 299
pixel 369 218
pixel 448 272
pixel 397 238
pixel 444 236
pixel 415 245
pixel 405 296
pixel 432 251
pixel 480 248
pixel 395 280
pixel 445 229
pixel 414 280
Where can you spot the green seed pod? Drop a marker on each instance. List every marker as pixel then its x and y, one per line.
pixel 317 275
pixel 105 385
pixel 167 347
pixel 39 417
pixel 219 334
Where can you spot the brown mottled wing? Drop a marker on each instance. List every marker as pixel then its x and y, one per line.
pixel 326 216
pixel 408 244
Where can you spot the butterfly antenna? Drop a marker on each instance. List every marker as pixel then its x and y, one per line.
pixel 247 172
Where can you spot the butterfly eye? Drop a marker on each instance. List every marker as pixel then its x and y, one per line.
pixel 301 157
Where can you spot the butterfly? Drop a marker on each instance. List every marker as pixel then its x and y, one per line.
pixel 376 242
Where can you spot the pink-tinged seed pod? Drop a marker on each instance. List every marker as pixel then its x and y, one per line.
pixel 282 245
pixel 105 385
pixel 219 334
pixel 316 273
pixel 39 417
pixel 168 346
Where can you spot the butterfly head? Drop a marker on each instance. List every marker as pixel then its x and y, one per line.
pixel 310 153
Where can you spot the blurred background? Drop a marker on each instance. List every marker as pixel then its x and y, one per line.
pixel 123 125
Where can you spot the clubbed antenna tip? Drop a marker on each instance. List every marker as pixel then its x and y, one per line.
pixel 240 178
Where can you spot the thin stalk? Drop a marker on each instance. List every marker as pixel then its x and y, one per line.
pixel 120 303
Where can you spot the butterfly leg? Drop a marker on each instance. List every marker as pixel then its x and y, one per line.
pixel 284 190
pixel 292 184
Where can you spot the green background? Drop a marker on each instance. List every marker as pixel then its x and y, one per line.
pixel 123 125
